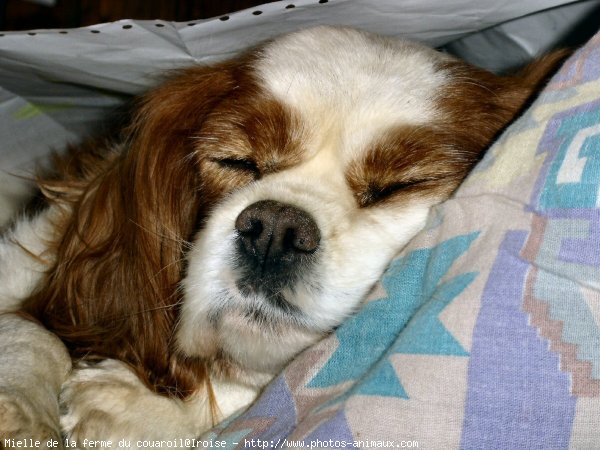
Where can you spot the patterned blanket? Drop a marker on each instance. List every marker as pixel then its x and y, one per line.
pixel 485 332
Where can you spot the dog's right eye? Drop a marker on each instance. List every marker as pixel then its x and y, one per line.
pixel 241 164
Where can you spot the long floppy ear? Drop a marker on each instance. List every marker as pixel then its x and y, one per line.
pixel 113 290
pixel 479 104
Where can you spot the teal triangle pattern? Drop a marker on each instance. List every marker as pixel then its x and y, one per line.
pixel 425 334
pixel 406 321
pixel 382 382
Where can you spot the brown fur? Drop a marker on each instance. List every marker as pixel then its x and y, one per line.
pixel 475 107
pixel 250 134
pixel 113 291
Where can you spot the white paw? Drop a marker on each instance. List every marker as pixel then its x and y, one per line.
pixel 108 402
pixel 33 365
pixel 22 422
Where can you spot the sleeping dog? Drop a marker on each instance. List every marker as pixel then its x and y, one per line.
pixel 241 216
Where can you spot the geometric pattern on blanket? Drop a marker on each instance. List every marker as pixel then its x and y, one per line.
pixel 485 331
pixel 404 321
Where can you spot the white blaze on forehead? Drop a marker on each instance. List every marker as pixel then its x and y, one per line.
pixel 349 86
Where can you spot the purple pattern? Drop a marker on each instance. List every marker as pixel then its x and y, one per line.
pixel 335 429
pixel 584 66
pixel 516 393
pixel 276 403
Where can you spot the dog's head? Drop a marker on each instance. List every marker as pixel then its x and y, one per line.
pixel 295 173
pixel 341 142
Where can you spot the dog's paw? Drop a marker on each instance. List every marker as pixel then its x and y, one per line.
pixel 21 422
pixel 107 402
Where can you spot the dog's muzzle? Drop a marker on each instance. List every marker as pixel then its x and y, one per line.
pixel 276 242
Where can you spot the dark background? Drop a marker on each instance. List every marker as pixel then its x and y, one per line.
pixel 24 15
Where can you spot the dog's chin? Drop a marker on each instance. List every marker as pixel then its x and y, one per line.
pixel 270 307
pixel 256 331
pixel 266 334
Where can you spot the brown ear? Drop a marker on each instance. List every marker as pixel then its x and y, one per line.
pixel 113 291
pixel 477 105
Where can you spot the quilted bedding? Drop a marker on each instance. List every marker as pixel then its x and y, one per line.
pixel 485 332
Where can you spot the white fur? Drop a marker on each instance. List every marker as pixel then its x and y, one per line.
pixel 19 271
pixel 108 402
pixel 350 86
pixel 33 362
pixel 33 365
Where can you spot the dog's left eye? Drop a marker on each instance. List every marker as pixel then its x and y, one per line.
pixel 376 193
pixel 241 164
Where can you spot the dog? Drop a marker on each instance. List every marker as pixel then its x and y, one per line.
pixel 241 216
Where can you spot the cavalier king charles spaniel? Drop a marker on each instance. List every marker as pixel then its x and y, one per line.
pixel 242 214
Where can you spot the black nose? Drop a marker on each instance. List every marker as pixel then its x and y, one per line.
pixel 274 237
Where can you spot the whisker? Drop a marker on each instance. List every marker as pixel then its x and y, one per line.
pixel 177 261
pixel 146 310
pixel 184 243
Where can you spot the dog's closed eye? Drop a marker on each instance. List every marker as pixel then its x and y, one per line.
pixel 239 164
pixel 376 193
